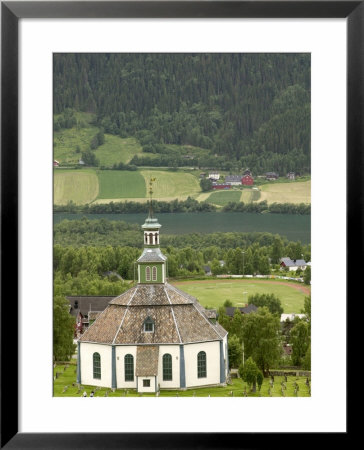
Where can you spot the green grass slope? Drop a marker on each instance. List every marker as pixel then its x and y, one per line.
pixel 79 186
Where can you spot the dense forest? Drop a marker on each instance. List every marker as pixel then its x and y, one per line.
pixel 252 110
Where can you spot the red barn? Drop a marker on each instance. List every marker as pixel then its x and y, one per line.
pixel 247 180
pixel 221 186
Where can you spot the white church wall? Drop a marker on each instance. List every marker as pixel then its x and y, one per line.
pixel 212 350
pixel 153 384
pixel 173 350
pixel 87 351
pixel 120 352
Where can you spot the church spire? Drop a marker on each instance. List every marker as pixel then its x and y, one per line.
pixel 152 262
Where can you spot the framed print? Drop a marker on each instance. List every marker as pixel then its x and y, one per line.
pixel 33 35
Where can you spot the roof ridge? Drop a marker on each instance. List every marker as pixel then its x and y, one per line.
pixel 174 317
pixel 207 320
pixel 126 310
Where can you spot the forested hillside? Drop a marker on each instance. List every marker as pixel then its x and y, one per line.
pixel 252 110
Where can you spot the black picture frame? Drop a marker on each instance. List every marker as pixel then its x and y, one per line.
pixel 11 12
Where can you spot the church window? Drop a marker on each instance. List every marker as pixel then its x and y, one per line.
pixel 201 365
pixel 146 383
pixel 150 238
pixel 147 273
pixel 167 367
pixel 154 273
pixel 97 366
pixel 129 367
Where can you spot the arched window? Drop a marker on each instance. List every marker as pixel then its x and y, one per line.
pixel 147 273
pixel 145 239
pixel 154 273
pixel 201 365
pixel 150 238
pixel 167 367
pixel 129 367
pixel 97 366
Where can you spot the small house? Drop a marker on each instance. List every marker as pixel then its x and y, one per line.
pixel 291 175
pixel 233 180
pixel 221 186
pixel 271 176
pixel 214 175
pixel 55 163
pixel 230 310
pixel 293 264
pixel 207 270
pixel 291 317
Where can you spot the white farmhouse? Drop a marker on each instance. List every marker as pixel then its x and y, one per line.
pixel 153 336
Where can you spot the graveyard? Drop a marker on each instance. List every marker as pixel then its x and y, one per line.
pixel 291 385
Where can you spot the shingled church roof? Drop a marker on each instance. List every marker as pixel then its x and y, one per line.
pixel 178 318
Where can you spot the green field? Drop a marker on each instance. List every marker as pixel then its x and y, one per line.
pixel 222 198
pixel 213 293
pixel 290 192
pixel 80 186
pixel 115 184
pixel 65 386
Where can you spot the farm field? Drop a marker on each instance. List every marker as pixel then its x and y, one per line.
pixel 65 386
pixel 213 293
pixel 294 192
pixel 116 184
pixel 222 198
pixel 250 195
pixel 80 186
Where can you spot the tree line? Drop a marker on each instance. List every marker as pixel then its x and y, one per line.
pixel 183 206
pixel 251 109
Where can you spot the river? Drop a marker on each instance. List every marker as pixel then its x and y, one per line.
pixel 293 227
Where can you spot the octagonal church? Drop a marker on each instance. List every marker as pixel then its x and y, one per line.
pixel 153 336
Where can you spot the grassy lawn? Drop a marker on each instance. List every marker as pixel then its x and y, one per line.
pixel 116 150
pixel 250 195
pixel 80 186
pixel 289 192
pixel 213 293
pixel 116 184
pixel 222 198
pixel 67 378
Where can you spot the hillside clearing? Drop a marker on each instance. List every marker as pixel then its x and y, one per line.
pixel 116 150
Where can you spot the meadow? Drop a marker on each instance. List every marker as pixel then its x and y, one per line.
pixel 221 198
pixel 115 150
pixel 291 192
pixel 65 386
pixel 116 184
pixel 80 186
pixel 213 293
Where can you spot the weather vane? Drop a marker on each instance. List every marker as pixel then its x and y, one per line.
pixel 151 196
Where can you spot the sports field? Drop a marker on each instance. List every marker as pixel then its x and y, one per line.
pixel 213 293
pixel 80 186
pixel 294 192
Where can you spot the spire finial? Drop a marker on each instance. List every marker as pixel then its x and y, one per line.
pixel 151 196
